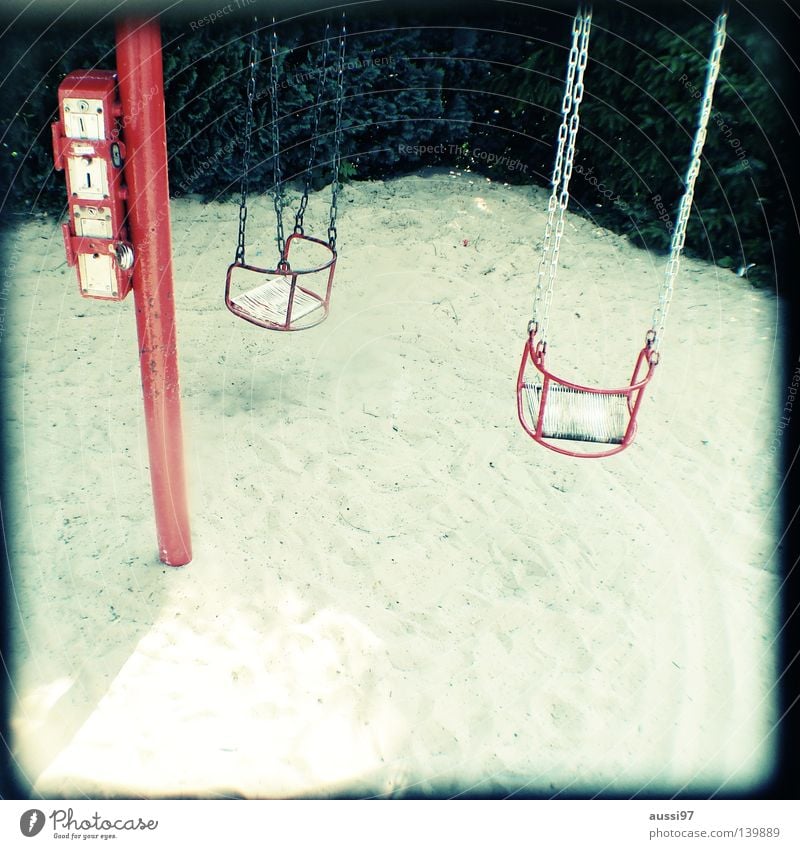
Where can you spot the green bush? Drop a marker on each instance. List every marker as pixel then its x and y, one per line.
pixel 643 89
pixel 466 91
pixel 36 61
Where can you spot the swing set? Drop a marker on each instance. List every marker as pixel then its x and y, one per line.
pixel 287 298
pixel 549 407
pixel 110 139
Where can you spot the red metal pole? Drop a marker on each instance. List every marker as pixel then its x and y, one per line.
pixel 141 85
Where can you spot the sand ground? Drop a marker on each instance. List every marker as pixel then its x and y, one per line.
pixel 394 590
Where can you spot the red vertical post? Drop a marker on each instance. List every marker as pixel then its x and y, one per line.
pixel 141 86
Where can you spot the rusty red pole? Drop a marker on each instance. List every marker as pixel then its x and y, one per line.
pixel 141 86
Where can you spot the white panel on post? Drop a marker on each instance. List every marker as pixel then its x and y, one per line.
pixel 93 221
pixel 97 275
pixel 88 177
pixel 83 119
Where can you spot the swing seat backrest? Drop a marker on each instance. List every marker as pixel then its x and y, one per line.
pixel 284 298
pixel 551 408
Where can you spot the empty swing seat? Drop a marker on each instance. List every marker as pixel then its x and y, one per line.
pixel 550 408
pixel 269 302
pixel 576 414
pixel 283 298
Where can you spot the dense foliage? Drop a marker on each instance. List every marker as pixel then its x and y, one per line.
pixel 643 90
pixel 474 93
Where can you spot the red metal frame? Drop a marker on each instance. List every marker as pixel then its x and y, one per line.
pixel 141 86
pixel 534 353
pixel 284 269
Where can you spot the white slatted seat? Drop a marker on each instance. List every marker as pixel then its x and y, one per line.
pixel 575 414
pixel 269 302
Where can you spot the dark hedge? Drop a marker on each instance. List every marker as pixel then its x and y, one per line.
pixel 472 92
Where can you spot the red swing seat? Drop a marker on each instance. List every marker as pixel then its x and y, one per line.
pixel 552 408
pixel 289 298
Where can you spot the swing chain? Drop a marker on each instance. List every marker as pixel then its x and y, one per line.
pixel 337 137
pixel 556 178
pixel 277 189
pixel 312 151
pixel 685 208
pixel 562 171
pixel 248 133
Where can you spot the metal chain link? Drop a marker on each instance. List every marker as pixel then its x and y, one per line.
pixel 555 181
pixel 277 188
pixel 312 150
pixel 337 136
pixel 248 132
pixel 679 233
pixel 584 25
pixel 562 171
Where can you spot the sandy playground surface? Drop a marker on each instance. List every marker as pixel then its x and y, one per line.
pixel 394 590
